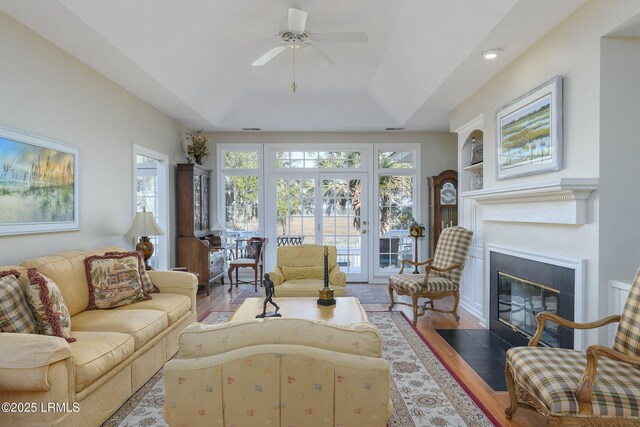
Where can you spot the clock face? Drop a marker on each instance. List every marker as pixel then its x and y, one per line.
pixel 448 194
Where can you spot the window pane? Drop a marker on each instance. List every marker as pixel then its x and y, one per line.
pixel 241 201
pixel 395 199
pixel 295 209
pixel 395 159
pixel 241 159
pixel 318 159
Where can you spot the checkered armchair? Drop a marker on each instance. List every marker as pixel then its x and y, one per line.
pixel 569 387
pixel 441 276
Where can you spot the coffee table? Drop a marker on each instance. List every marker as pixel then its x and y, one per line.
pixel 346 311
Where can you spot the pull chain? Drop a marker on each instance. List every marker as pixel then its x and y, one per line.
pixel 293 86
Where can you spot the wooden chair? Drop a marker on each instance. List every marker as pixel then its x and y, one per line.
pixel 442 273
pixel 249 253
pixel 569 387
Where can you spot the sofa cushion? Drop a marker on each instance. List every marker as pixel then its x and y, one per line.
pixel 15 314
pixel 48 307
pixel 114 280
pixel 305 288
pixel 96 353
pixel 147 284
pixel 67 270
pixel 293 272
pixel 142 325
pixel 174 305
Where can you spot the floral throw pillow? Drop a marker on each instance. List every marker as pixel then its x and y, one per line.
pixel 15 314
pixel 48 307
pixel 148 286
pixel 114 280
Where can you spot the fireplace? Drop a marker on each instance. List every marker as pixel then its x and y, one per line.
pixel 520 288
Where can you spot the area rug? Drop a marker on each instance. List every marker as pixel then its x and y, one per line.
pixel 366 293
pixel 423 391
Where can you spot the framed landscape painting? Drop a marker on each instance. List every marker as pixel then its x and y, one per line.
pixel 38 184
pixel 529 132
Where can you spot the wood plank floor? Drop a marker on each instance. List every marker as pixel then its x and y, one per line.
pixel 220 300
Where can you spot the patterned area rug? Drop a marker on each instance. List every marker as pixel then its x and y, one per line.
pixel 423 392
pixel 366 293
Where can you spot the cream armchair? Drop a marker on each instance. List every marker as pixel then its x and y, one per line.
pixel 299 271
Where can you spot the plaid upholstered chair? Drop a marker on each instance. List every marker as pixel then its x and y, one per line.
pixel 441 277
pixel 569 387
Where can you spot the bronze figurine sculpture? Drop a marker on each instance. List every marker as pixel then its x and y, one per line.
pixel 270 293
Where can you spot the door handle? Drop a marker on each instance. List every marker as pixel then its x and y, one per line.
pixel 363 232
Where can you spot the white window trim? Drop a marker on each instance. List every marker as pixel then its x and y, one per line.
pixel 164 217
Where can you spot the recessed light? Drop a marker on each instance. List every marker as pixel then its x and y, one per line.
pixel 251 129
pixel 394 129
pixel 491 53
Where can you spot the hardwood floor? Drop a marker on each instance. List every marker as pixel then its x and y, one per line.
pixel 495 402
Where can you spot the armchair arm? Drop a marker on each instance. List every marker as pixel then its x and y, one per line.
pixel 445 269
pixel 276 277
pixel 26 359
pixel 337 277
pixel 417 264
pixel 176 282
pixel 585 386
pixel 545 315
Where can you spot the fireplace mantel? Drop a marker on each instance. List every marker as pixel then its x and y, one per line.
pixel 559 202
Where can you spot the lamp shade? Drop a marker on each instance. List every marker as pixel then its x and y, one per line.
pixel 144 224
pixel 218 226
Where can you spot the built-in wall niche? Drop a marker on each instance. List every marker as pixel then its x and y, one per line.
pixel 471 156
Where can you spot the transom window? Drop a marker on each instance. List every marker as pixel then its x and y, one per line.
pixel 395 159
pixel 318 159
pixel 240 160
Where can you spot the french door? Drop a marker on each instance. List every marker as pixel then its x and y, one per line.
pixel 325 208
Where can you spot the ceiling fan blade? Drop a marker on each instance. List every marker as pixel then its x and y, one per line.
pixel 356 37
pixel 249 36
pixel 297 20
pixel 317 55
pixel 268 56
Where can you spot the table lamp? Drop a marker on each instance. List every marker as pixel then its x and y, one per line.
pixel 218 228
pixel 144 225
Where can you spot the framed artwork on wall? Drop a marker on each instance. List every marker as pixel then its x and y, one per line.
pixel 38 184
pixel 529 132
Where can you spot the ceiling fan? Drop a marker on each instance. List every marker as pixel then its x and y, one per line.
pixel 297 38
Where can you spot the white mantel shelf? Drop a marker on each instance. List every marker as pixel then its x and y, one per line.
pixel 559 202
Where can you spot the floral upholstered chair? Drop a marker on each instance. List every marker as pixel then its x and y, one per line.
pixel 569 387
pixel 442 273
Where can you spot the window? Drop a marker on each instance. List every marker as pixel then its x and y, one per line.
pixel 151 193
pixel 239 191
pixel 397 204
pixel 318 159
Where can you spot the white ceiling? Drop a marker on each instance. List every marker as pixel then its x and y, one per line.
pixel 421 60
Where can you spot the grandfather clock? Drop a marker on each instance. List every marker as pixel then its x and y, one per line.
pixel 443 205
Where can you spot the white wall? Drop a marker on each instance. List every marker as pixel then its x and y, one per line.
pixel 619 156
pixel 572 49
pixel 45 91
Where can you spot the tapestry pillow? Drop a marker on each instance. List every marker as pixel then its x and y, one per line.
pixel 114 280
pixel 292 272
pixel 15 314
pixel 48 307
pixel 147 284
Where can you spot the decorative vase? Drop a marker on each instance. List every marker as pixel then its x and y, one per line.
pixel 198 159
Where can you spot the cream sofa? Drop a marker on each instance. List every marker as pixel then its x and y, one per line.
pixel 278 372
pixel 299 271
pixel 116 351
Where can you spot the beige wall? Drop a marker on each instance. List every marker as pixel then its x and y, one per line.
pixel 46 92
pixel 571 50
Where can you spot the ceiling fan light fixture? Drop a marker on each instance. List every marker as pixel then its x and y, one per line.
pixel 491 53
